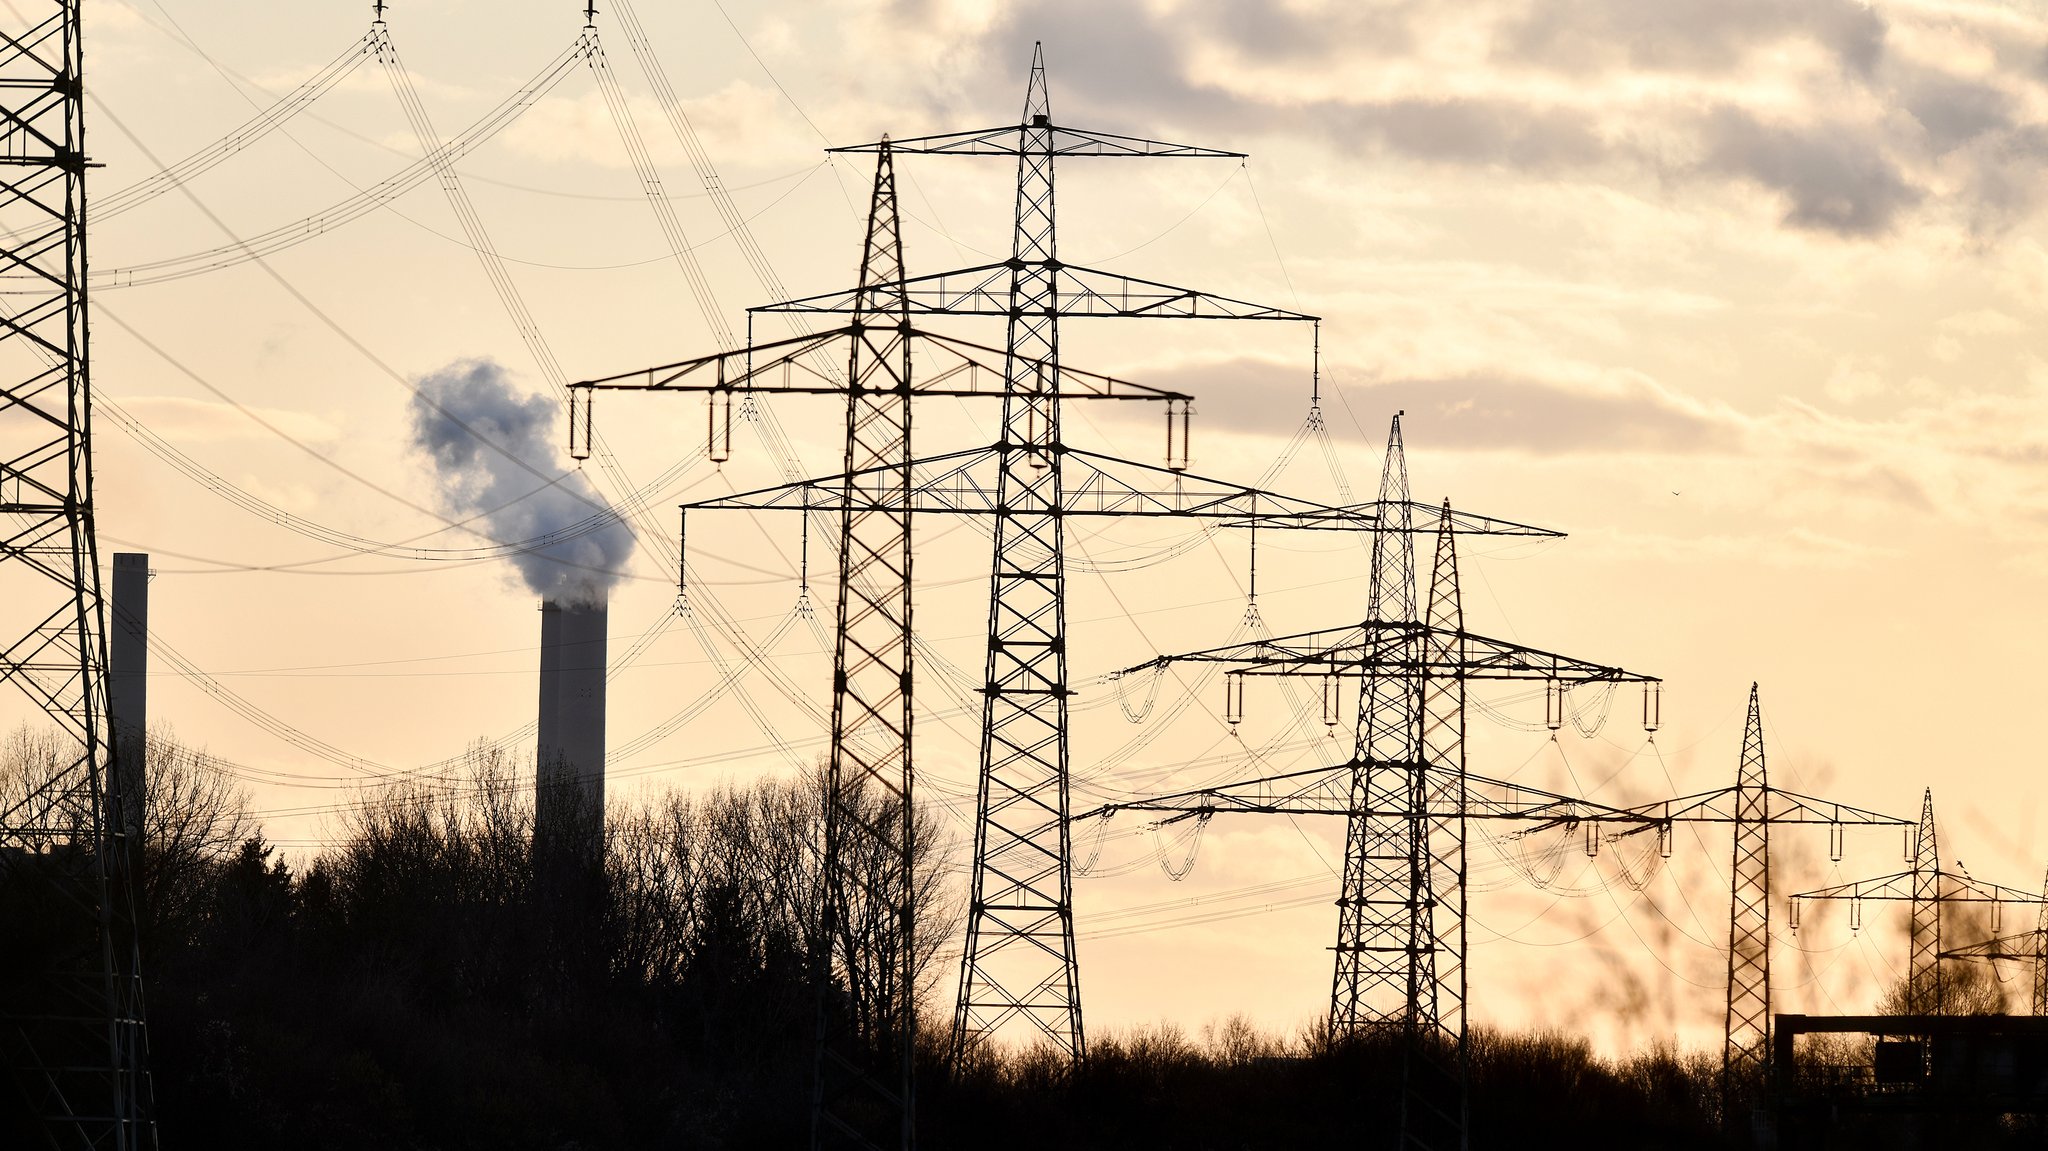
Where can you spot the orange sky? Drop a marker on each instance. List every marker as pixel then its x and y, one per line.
pixel 1736 294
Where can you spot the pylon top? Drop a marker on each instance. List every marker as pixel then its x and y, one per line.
pixel 1055 140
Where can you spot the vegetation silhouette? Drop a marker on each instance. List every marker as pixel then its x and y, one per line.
pixel 427 981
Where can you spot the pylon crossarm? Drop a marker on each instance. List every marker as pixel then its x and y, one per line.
pixel 1379 648
pixel 1328 791
pixel 1719 806
pixel 1954 888
pixel 966 483
pixel 790 366
pixel 2026 945
pixel 1010 140
pixel 984 290
pixel 1427 520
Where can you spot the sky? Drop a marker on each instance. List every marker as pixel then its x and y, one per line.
pixel 1737 294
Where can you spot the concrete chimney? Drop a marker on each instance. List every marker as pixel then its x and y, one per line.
pixel 128 689
pixel 569 773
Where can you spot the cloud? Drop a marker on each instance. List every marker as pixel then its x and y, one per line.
pixel 1624 412
pixel 1687 35
pixel 1955 111
pixel 1834 176
pixel 187 420
pixel 1833 105
pixel 1470 131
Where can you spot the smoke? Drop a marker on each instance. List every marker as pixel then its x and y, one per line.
pixel 571 549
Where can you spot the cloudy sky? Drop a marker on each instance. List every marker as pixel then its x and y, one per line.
pixel 1736 293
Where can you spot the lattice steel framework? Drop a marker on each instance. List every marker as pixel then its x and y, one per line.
pixel 71 1020
pixel 867 1017
pixel 1746 1043
pixel 1434 1104
pixel 1018 963
pixel 1019 955
pixel 1400 969
pixel 1376 976
pixel 1923 987
pixel 1451 793
pixel 2031 946
pixel 1926 889
pixel 870 1017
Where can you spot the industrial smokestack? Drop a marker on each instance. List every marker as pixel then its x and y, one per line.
pixel 568 814
pixel 128 690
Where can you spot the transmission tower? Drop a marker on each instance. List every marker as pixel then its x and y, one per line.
pixel 71 1019
pixel 882 486
pixel 1746 1046
pixel 1426 968
pixel 1401 945
pixel 2031 945
pixel 1926 888
pixel 863 1085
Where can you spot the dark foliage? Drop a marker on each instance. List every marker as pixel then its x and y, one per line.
pixel 428 983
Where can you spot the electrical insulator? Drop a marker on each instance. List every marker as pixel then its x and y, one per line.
pixel 1906 839
pixel 1592 839
pixel 1330 700
pixel 1835 842
pixel 1792 916
pixel 1664 841
pixel 1553 704
pixel 1177 413
pixel 579 422
pixel 718 426
pixel 1855 913
pixel 1653 706
pixel 1996 908
pixel 1233 699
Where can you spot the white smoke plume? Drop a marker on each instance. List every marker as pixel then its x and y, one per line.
pixel 577 551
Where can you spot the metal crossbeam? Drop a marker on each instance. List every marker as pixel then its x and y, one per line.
pixel 966 483
pixel 1327 791
pixel 1036 136
pixel 1068 290
pixel 807 365
pixel 788 365
pixel 1399 648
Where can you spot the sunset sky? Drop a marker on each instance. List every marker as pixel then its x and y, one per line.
pixel 1736 293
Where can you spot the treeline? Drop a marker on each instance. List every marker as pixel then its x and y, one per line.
pixel 417 984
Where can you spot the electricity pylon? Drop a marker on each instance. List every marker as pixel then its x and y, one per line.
pixel 2030 945
pixel 864 1087
pixel 1401 942
pixel 873 498
pixel 1746 1039
pixel 1926 888
pixel 1018 963
pixel 72 1037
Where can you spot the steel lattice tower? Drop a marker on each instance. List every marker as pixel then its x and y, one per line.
pixel 1018 963
pixel 1746 1047
pixel 1926 888
pixel 1375 983
pixel 1434 1103
pixel 863 1092
pixel 864 1047
pixel 2031 947
pixel 1923 986
pixel 71 1020
pixel 1019 957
